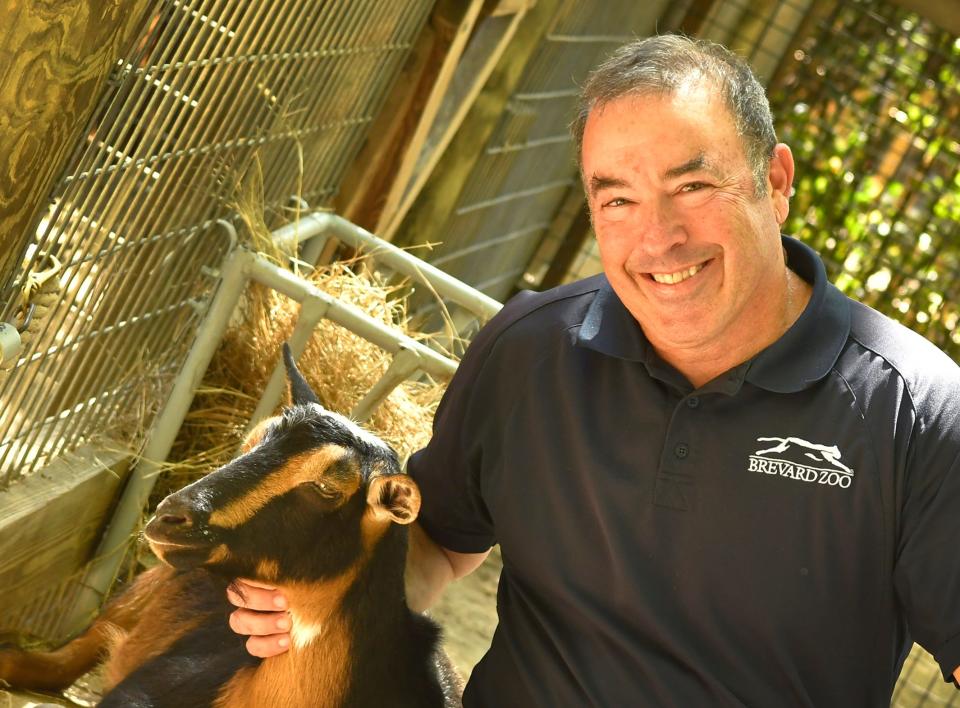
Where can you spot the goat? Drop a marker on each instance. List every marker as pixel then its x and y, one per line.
pixel 314 505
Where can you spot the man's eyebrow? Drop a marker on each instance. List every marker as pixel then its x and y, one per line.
pixel 700 162
pixel 598 182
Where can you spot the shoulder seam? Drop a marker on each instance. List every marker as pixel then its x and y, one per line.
pixel 892 365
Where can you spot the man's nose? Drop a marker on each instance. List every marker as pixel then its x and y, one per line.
pixel 659 229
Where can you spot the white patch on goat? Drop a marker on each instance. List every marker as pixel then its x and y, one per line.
pixel 303 633
pixel 354 429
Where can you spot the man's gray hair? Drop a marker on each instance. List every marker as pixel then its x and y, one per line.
pixel 661 65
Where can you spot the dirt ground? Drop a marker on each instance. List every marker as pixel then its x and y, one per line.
pixel 468 614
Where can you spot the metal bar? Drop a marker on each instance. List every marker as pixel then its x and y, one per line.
pixel 140 260
pixel 445 285
pixel 591 38
pixel 404 365
pixel 351 317
pixel 529 144
pixel 519 234
pixel 531 192
pixel 547 95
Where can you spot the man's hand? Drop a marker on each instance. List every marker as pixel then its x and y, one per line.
pixel 261 615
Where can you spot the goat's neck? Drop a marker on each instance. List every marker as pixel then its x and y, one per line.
pixel 315 670
pixel 323 652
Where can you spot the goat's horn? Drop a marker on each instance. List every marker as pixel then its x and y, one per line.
pixel 300 391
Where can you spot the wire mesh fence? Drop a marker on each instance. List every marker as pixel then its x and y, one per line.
pixel 871 106
pixel 214 90
pixel 218 103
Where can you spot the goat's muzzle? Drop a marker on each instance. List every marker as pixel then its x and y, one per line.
pixel 178 531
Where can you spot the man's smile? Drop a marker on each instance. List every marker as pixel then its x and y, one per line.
pixel 677 276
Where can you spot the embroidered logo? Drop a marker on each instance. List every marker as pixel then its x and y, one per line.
pixel 801 460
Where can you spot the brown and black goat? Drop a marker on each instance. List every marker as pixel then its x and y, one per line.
pixel 316 506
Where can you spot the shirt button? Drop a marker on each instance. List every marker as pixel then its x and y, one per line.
pixel 681 450
pixel 693 402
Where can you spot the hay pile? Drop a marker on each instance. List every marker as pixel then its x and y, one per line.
pixel 339 365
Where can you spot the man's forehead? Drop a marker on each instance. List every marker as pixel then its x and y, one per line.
pixel 699 161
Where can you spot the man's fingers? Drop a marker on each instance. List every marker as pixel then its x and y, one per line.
pixel 243 593
pixel 259 624
pixel 265 647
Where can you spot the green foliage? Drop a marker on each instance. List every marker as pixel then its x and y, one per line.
pixel 872 114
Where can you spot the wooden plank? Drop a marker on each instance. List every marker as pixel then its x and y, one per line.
pixel 561 242
pixel 55 57
pixel 455 29
pixel 358 197
pixel 480 58
pixel 695 17
pixel 388 156
pixel 511 7
pixel 436 201
pixel 943 13
pixel 50 521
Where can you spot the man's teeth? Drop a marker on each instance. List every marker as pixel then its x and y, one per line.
pixel 674 278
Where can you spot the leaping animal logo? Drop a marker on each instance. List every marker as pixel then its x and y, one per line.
pixel 827 454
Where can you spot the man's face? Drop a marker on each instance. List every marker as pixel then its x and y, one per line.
pixel 685 242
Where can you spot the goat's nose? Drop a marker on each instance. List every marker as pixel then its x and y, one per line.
pixel 174 511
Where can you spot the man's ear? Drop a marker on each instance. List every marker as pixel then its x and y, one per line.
pixel 394 497
pixel 781 180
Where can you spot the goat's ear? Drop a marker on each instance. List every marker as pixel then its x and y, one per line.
pixel 300 391
pixel 394 497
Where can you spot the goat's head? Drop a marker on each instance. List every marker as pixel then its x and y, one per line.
pixel 310 493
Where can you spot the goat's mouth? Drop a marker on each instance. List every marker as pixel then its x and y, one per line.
pixel 165 540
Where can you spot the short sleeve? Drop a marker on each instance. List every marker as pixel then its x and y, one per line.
pixel 447 470
pixel 927 570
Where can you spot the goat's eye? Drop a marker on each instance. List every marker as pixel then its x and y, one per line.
pixel 325 490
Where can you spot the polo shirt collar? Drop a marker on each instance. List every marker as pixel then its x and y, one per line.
pixel 808 350
pixel 802 356
pixel 610 329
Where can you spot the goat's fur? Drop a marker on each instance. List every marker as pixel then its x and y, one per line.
pixel 315 506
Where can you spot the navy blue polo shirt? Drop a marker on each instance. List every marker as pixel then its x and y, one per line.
pixel 774 538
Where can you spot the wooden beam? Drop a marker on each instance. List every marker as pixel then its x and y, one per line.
pixel 442 188
pixel 572 226
pixel 55 58
pixel 943 13
pixel 50 523
pixel 456 29
pixel 395 138
pixel 490 40
pixel 695 17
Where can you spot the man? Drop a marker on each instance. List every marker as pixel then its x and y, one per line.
pixel 715 480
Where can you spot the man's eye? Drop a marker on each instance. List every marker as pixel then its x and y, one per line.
pixel 618 201
pixel 693 186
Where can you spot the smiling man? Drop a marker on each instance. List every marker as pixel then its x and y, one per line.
pixel 715 480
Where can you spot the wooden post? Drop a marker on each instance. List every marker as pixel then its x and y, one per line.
pixel 49 525
pixel 55 57
pixel 386 160
pixel 459 86
pixel 439 195
pixel 943 13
